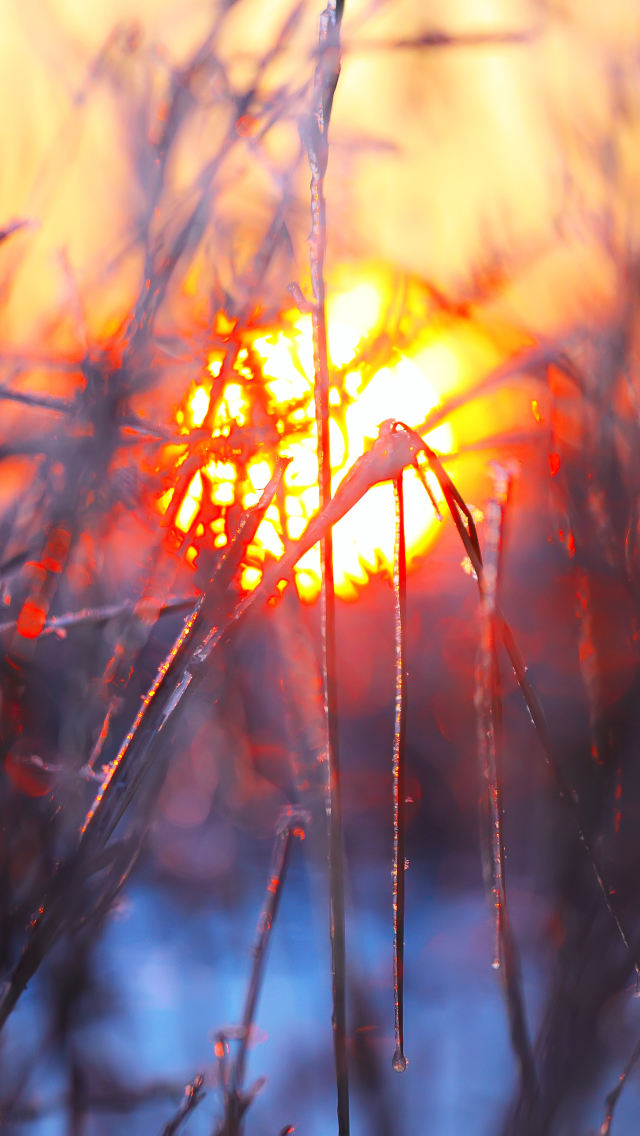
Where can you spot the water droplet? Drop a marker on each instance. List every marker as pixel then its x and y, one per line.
pixel 399 1062
pixel 496 964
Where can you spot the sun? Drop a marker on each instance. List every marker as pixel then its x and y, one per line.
pixel 255 403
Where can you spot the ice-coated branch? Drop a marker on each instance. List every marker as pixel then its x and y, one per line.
pixel 397 447
pixel 237 1099
pixel 58 624
pixel 489 718
pixel 137 756
pixel 315 136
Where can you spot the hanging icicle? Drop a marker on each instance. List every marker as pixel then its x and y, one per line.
pixel 315 137
pixel 399 747
pixel 489 717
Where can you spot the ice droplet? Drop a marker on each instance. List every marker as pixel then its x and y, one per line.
pixel 399 1062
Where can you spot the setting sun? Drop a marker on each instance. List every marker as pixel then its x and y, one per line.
pixel 275 377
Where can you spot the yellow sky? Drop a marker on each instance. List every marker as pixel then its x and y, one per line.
pixel 456 163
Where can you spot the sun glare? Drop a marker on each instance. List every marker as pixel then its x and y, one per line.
pixel 274 392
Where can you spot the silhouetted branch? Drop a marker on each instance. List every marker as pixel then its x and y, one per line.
pixel 59 623
pixel 115 1100
pixel 612 1097
pixel 193 1094
pixel 436 39
pixel 236 1099
pixel 39 401
pixel 137 755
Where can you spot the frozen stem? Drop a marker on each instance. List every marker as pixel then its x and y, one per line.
pixel 489 716
pixel 612 1097
pixel 193 1094
pixel 236 1098
pixel 315 137
pixel 133 765
pixel 399 759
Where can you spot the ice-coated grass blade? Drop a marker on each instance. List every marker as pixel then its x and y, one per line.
pixel 399 1061
pixel 315 137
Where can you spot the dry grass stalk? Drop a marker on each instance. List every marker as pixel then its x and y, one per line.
pixel 489 717
pixel 132 767
pixel 236 1098
pixel 315 136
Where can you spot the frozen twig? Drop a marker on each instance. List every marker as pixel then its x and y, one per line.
pixel 112 1099
pixel 137 755
pixel 292 823
pixel 399 759
pixel 40 401
pixel 193 1094
pixel 59 623
pixel 315 137
pixel 489 714
pixel 397 447
pixel 468 535
pixel 612 1097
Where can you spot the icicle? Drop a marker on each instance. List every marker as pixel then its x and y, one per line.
pixel 489 709
pixel 488 705
pixel 399 739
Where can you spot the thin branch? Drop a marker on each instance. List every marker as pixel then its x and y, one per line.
pixel 39 401
pixel 315 137
pixel 138 754
pixel 612 1097
pixel 469 539
pixel 236 1099
pixel 489 713
pixel 114 1100
pixel 59 623
pixel 193 1094
pixel 435 39
pixel 397 447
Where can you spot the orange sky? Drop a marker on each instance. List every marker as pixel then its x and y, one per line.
pixel 459 164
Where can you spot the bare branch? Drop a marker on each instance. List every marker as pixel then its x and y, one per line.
pixel 315 137
pixel 193 1094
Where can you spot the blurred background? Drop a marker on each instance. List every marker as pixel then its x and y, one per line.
pixel 482 281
